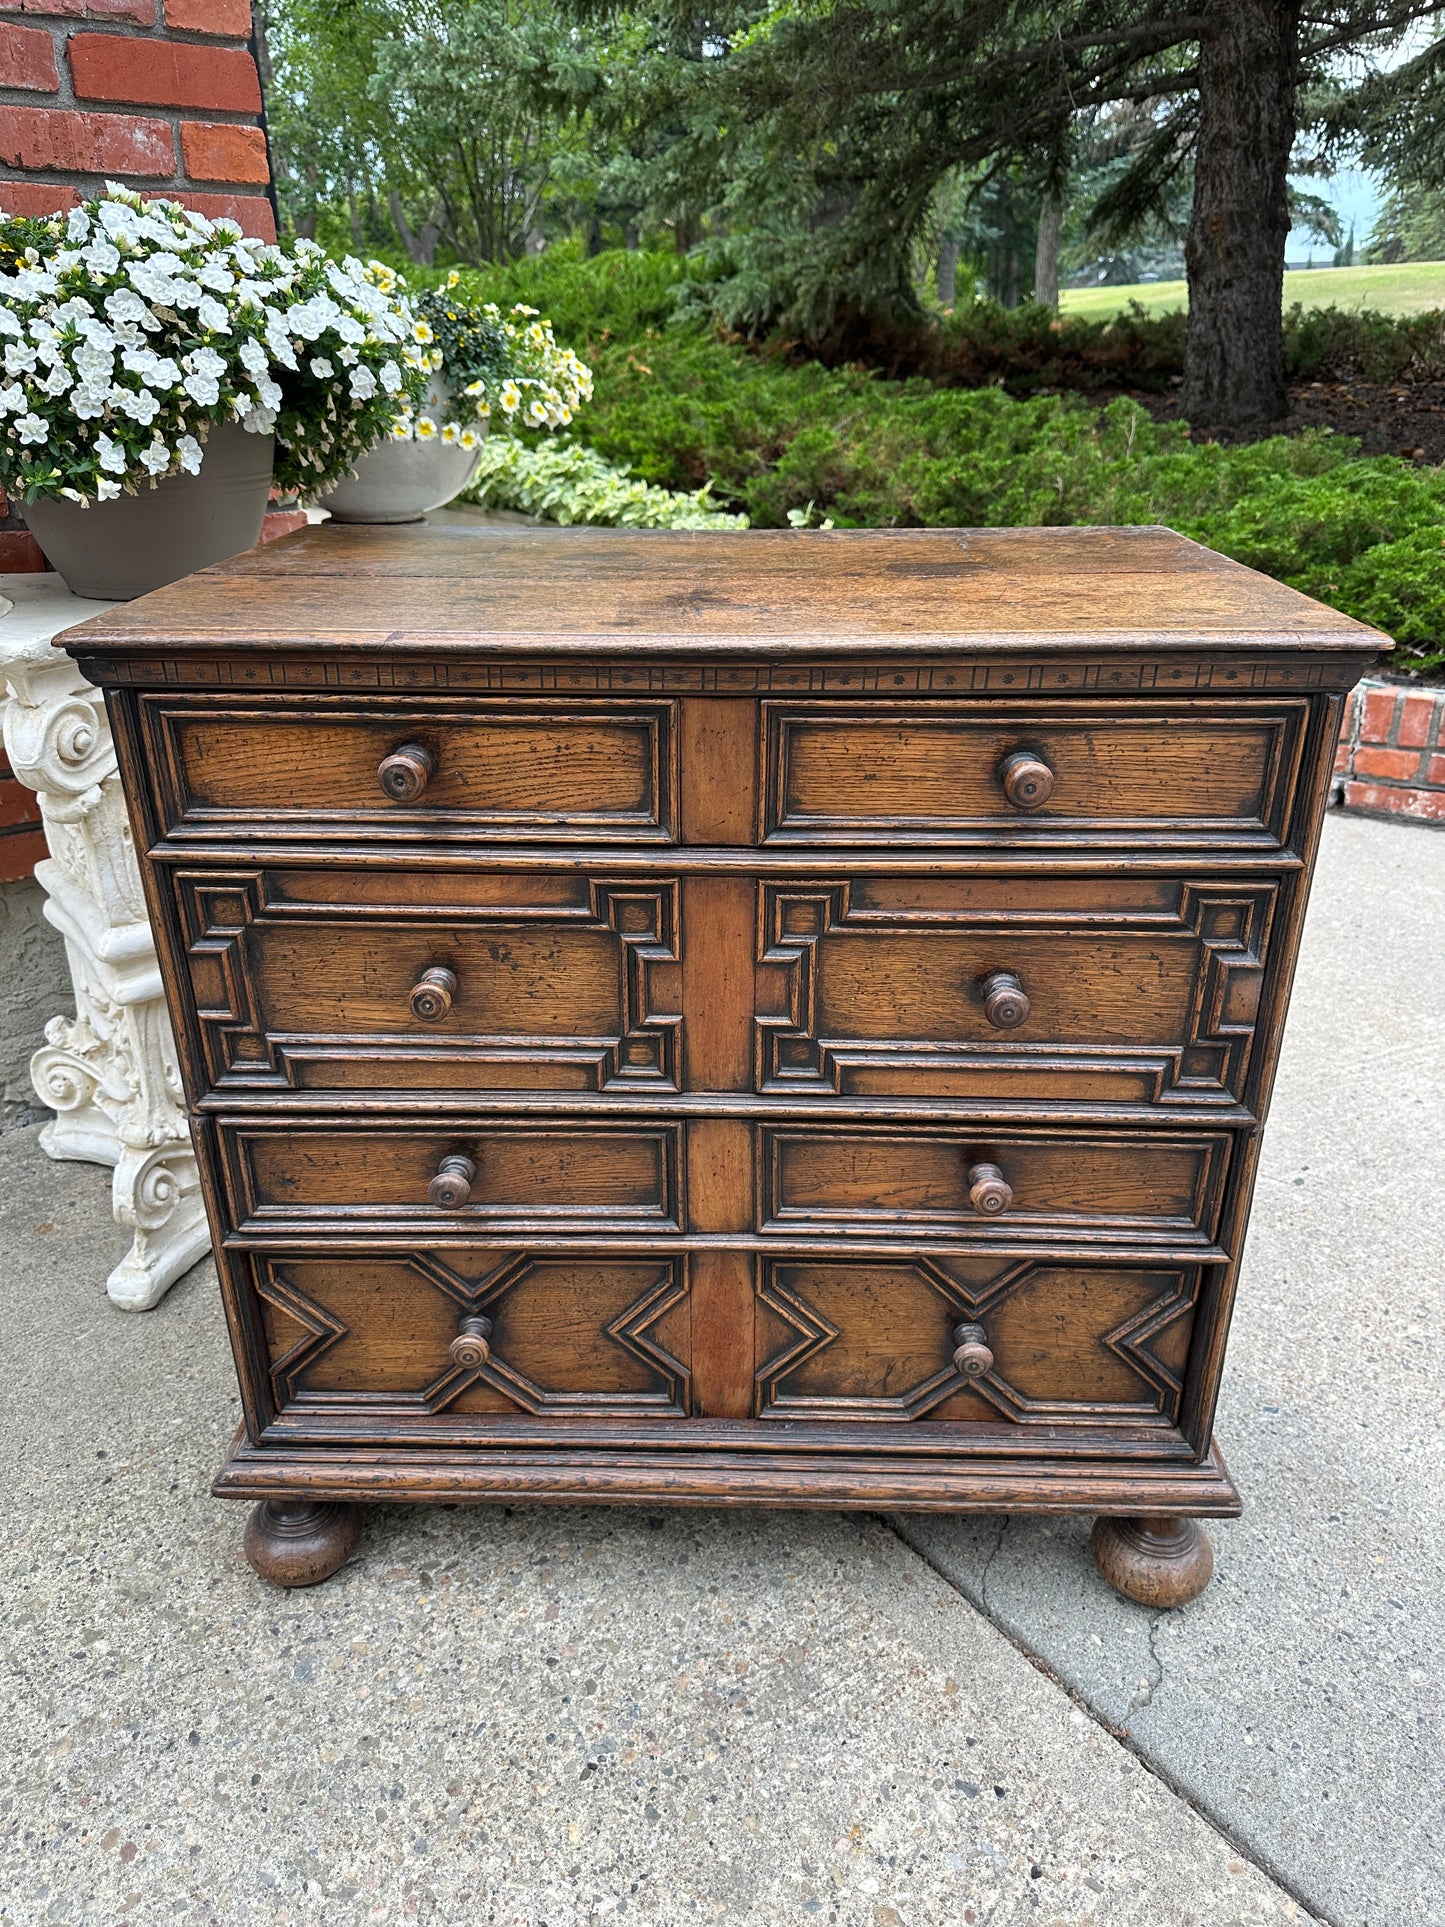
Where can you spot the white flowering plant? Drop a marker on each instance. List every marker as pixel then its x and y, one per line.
pixel 506 369
pixel 129 327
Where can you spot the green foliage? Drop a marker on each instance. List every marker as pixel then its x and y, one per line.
pixel 1410 226
pixel 467 130
pixel 680 408
pixel 474 95
pixel 618 294
pixel 1347 344
pixel 818 140
pixel 574 484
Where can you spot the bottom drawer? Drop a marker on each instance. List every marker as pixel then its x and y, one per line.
pixel 475 1331
pixel 443 1339
pixel 1029 1340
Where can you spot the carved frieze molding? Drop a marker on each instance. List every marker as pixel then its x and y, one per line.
pixel 1112 673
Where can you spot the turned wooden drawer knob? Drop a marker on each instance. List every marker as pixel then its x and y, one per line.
pixel 452 1186
pixel 406 772
pixel 470 1348
pixel 1026 780
pixel 989 1190
pixel 432 993
pixel 972 1357
pixel 1005 1001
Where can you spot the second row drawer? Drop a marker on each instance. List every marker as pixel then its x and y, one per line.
pixel 721 1176
pixel 1129 991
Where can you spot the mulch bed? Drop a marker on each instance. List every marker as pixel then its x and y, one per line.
pixel 1388 418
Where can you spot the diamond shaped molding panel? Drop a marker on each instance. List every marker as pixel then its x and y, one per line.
pixel 873 1339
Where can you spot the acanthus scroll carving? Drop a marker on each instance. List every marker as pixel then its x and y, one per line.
pixel 109 1073
pixel 57 738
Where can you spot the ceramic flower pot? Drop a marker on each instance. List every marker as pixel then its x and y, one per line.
pixel 120 549
pixel 401 481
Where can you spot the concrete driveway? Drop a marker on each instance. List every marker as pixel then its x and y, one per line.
pixel 548 1718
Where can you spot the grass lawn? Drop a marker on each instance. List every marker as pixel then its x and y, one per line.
pixel 1408 288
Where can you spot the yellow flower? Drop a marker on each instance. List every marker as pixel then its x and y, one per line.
pixel 435 359
pixel 401 429
pixel 451 433
pixel 510 397
pixel 475 388
pixel 454 277
pixel 422 332
pixel 426 429
pixel 469 439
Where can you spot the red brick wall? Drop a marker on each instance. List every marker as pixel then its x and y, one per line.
pixel 161 94
pixel 22 841
pixel 1391 758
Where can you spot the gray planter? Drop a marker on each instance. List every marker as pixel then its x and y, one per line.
pixel 120 549
pixel 401 481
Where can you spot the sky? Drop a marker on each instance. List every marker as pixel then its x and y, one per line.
pixel 1355 194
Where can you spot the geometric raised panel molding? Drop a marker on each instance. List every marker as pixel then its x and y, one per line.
pixel 1207 943
pixel 829 1367
pixel 255 1035
pixel 531 1353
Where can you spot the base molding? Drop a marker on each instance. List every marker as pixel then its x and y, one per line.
pixel 584 1475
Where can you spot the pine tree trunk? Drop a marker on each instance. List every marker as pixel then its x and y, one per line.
pixel 1046 251
pixel 1234 253
pixel 948 274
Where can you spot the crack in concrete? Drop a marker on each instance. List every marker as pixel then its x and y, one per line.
pixel 1314 1914
pixel 1147 1688
pixel 994 1552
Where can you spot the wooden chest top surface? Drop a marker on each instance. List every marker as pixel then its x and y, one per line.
pixel 727 593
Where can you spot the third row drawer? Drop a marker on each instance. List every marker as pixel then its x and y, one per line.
pixel 729 1176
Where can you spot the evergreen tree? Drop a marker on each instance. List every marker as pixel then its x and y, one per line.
pixel 821 130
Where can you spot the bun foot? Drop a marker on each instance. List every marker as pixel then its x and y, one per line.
pixel 1162 1561
pixel 298 1542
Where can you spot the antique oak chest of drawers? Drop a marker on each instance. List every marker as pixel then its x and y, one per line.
pixel 715 1018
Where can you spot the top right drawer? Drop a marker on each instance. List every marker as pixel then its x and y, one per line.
pixel 1029 774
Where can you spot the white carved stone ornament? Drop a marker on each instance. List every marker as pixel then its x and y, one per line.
pixel 110 1072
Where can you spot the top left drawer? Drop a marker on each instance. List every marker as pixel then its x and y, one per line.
pixel 412 770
